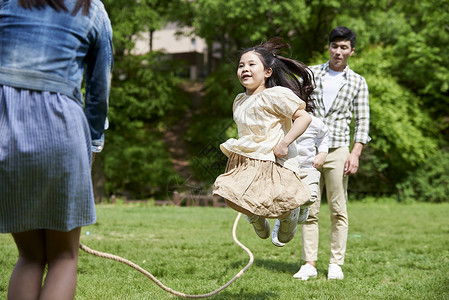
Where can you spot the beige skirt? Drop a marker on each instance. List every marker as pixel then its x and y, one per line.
pixel 262 187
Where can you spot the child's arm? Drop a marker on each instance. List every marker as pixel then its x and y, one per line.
pixel 301 121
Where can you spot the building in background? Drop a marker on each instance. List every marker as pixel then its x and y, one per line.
pixel 180 45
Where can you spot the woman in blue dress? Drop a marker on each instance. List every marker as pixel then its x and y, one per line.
pixel 48 132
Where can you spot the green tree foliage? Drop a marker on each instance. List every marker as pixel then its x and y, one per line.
pixel 145 94
pixel 418 35
pixel 414 37
pixel 212 124
pixel 400 50
pixel 429 183
pixel 235 24
pixel 402 135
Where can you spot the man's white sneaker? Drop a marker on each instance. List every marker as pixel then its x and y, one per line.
pixel 303 215
pixel 288 226
pixel 261 226
pixel 335 272
pixel 305 272
pixel 274 234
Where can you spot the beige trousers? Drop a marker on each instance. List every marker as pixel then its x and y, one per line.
pixel 332 177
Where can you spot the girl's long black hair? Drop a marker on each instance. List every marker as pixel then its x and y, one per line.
pixel 57 5
pixel 286 72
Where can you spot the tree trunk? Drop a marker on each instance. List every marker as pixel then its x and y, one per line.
pixel 99 178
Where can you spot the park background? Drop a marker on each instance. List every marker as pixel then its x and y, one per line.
pixel 165 127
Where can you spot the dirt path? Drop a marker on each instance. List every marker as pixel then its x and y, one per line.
pixel 174 135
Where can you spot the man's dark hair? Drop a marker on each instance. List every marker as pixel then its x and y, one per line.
pixel 344 33
pixel 57 5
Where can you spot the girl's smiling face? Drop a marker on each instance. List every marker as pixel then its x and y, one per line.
pixel 252 73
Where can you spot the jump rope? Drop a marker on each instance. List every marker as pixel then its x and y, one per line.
pixel 167 289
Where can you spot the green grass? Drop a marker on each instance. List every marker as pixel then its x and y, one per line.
pixel 394 252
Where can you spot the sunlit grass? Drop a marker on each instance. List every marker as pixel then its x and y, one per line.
pixel 394 252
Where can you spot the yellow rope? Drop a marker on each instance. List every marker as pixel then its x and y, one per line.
pixel 167 289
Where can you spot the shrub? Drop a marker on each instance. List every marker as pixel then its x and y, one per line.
pixel 429 182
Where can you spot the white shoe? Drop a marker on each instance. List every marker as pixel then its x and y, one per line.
pixel 274 234
pixel 303 215
pixel 288 226
pixel 261 226
pixel 335 272
pixel 306 271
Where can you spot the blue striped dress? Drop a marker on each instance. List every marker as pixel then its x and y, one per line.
pixel 45 157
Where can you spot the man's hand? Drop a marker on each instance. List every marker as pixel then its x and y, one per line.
pixel 352 162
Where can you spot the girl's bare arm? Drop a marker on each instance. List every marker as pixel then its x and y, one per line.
pixel 301 121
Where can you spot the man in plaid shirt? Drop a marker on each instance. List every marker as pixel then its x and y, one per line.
pixel 341 94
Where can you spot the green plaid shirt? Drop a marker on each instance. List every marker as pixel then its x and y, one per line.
pixel 352 101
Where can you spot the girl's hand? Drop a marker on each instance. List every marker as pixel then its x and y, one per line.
pixel 301 121
pixel 281 149
pixel 319 160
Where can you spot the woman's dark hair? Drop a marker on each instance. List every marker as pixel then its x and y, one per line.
pixel 286 72
pixel 57 5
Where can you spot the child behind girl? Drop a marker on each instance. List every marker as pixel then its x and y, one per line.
pixel 262 174
pixel 313 146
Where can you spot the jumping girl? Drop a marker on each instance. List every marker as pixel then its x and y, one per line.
pixel 262 174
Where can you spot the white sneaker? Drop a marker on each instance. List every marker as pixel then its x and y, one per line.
pixel 335 272
pixel 261 226
pixel 306 271
pixel 274 234
pixel 303 215
pixel 288 226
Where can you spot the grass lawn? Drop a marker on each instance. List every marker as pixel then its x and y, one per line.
pixel 394 252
